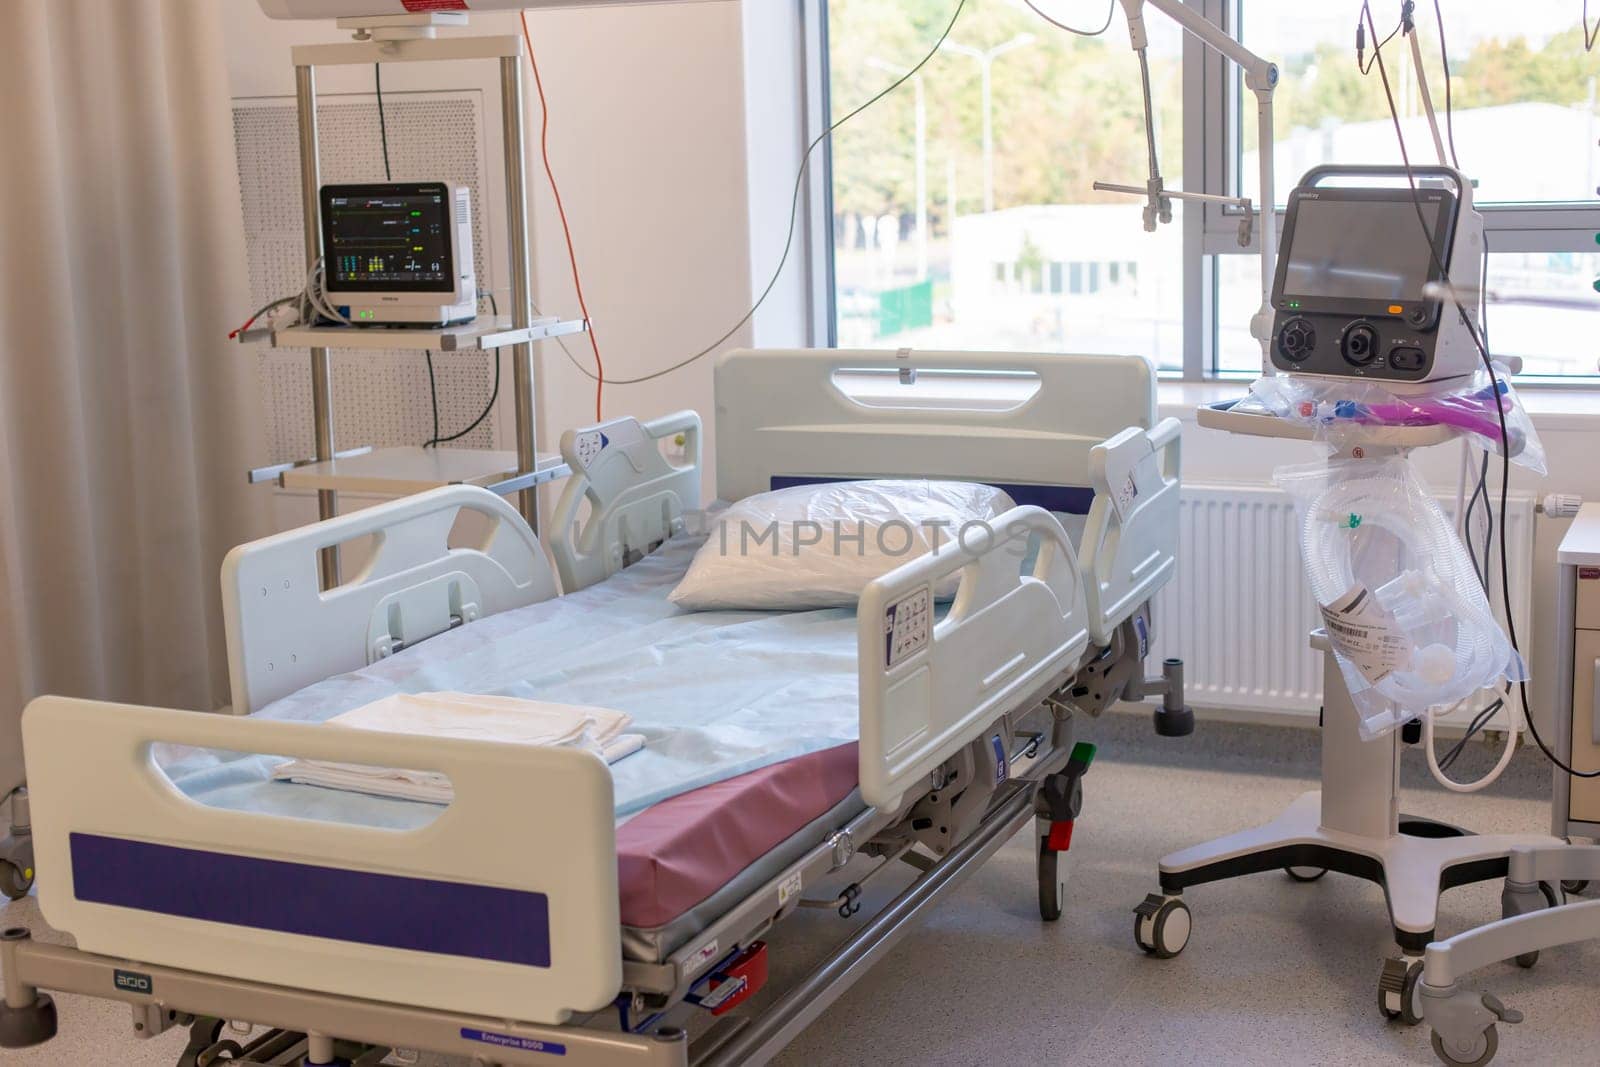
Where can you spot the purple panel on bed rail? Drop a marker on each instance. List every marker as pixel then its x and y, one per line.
pixel 1062 499
pixel 421 914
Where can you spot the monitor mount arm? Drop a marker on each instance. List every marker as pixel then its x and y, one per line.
pixel 1260 77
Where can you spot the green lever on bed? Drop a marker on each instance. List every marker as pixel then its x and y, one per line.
pixel 1082 755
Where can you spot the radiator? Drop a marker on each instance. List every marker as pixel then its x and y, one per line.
pixel 1239 611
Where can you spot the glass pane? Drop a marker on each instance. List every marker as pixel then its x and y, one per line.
pixel 942 242
pixel 1238 289
pixel 1550 340
pixel 1522 88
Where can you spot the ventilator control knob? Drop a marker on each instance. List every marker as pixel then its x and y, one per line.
pixel 1297 339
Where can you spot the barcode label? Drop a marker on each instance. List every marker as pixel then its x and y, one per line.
pixel 1366 635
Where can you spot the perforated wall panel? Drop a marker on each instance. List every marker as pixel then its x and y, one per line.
pixel 380 398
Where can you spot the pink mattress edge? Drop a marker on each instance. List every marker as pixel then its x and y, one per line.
pixel 676 854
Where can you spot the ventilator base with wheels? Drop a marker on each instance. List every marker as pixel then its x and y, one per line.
pixel 1352 826
pixel 1465 1022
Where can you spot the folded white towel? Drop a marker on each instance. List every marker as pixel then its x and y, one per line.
pixel 508 720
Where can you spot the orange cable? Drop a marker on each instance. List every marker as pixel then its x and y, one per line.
pixel 572 256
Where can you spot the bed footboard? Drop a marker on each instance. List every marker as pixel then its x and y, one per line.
pixel 1130 542
pixel 636 498
pixel 285 632
pixel 928 688
pixel 505 905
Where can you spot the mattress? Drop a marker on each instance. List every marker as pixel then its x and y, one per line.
pixel 750 720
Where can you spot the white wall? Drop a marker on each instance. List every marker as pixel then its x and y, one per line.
pixel 650 120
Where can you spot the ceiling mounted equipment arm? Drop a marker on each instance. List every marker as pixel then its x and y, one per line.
pixel 1261 78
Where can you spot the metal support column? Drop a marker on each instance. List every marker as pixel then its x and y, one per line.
pixel 522 371
pixel 305 83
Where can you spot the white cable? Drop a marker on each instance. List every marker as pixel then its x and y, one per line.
pixel 1513 709
pixel 319 300
pixel 1427 98
pixel 1427 722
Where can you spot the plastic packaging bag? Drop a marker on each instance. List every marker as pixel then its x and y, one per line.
pixel 1345 410
pixel 1410 625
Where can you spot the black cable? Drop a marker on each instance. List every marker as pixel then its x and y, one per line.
pixel 1444 57
pixel 1111 9
pixel 1480 569
pixel 794 213
pixel 383 126
pixel 1588 34
pixel 1479 721
pixel 1361 42
pixel 1494 380
pixel 433 400
pixel 494 394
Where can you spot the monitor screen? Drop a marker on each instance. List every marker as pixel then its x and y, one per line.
pixel 1369 250
pixel 388 240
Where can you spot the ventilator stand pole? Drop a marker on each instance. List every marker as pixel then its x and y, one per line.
pixel 1261 78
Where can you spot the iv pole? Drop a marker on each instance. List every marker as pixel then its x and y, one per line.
pixel 1260 77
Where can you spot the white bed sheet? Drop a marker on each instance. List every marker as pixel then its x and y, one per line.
pixel 715 693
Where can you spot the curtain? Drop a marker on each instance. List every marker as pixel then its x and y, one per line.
pixel 127 419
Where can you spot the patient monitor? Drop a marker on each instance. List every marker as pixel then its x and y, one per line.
pixel 400 253
pixel 1349 300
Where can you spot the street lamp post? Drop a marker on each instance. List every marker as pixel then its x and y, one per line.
pixel 985 64
pixel 922 160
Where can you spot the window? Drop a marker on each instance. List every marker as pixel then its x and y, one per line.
pixel 971 185
pixel 1526 119
pixel 966 218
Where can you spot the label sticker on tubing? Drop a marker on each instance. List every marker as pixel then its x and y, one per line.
pixel 1365 635
pixel 1002 766
pixel 513 1041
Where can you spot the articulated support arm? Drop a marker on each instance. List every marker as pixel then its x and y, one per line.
pixel 1260 77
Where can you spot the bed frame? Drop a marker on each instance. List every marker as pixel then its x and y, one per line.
pixel 135 870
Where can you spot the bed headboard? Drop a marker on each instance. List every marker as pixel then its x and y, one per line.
pixel 1025 422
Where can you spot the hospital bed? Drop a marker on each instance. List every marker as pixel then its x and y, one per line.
pixel 557 906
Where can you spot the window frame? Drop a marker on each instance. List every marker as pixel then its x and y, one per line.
pixel 1212 140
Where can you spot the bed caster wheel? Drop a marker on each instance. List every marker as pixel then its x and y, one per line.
pixel 1513 904
pixel 1052 883
pixel 14 881
pixel 1161 926
pixel 1397 990
pixel 1481 1050
pixel 1305 874
pixel 1577 886
pixel 29 1026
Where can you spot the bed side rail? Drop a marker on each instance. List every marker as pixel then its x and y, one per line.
pixel 285 632
pixel 505 905
pixel 928 688
pixel 637 497
pixel 1130 542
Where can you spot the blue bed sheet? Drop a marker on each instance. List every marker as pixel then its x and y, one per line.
pixel 715 693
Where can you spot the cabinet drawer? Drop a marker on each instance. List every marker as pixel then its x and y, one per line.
pixel 1585 802
pixel 1589 598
